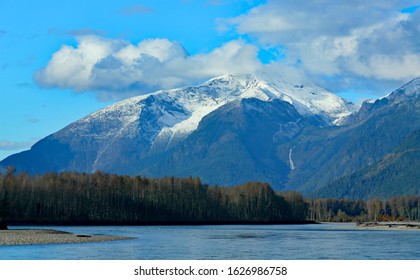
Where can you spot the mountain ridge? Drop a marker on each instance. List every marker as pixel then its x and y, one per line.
pixel 200 100
pixel 162 119
pixel 230 130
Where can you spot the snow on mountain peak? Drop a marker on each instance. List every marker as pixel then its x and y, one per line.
pixel 166 115
pixel 411 88
pixel 308 98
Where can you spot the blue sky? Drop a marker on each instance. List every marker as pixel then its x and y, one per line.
pixel 61 60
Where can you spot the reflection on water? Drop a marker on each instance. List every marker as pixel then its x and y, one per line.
pixel 323 241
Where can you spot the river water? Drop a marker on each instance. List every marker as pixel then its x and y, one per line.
pixel 230 242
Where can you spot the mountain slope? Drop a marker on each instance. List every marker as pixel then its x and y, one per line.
pixel 238 143
pixel 233 129
pixel 125 137
pixel 323 155
pixel 397 173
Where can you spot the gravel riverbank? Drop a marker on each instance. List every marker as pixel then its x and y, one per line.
pixel 383 226
pixel 390 225
pixel 47 236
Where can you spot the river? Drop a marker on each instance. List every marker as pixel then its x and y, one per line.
pixel 227 242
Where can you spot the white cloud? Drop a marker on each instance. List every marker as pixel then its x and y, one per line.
pixel 278 22
pixel 261 21
pixel 346 40
pixel 388 50
pixel 72 67
pixel 161 49
pixel 391 68
pixel 113 67
pixel 335 43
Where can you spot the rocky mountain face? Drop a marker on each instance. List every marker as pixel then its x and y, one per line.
pixel 232 129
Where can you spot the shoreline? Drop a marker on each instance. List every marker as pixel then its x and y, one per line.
pixel 12 237
pixel 382 226
pixel 162 223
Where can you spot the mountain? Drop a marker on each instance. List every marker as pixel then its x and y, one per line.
pixel 237 143
pixel 230 130
pixel 368 135
pixel 406 93
pixel 133 134
pixel 395 174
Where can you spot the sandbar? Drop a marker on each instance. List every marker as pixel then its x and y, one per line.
pixel 383 226
pixel 49 236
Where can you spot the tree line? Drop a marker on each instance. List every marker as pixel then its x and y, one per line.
pixel 100 198
pixel 400 208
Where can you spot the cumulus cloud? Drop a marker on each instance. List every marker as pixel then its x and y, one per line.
pixel 342 39
pixel 113 68
pixel 338 44
pixel 388 50
pixel 289 20
pixel 72 67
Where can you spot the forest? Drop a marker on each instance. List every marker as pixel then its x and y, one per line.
pixel 401 208
pixel 100 198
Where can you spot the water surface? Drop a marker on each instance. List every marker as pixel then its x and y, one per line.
pixel 307 242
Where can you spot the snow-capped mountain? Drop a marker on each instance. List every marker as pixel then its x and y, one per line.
pixel 409 91
pixel 364 138
pixel 164 116
pixel 229 130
